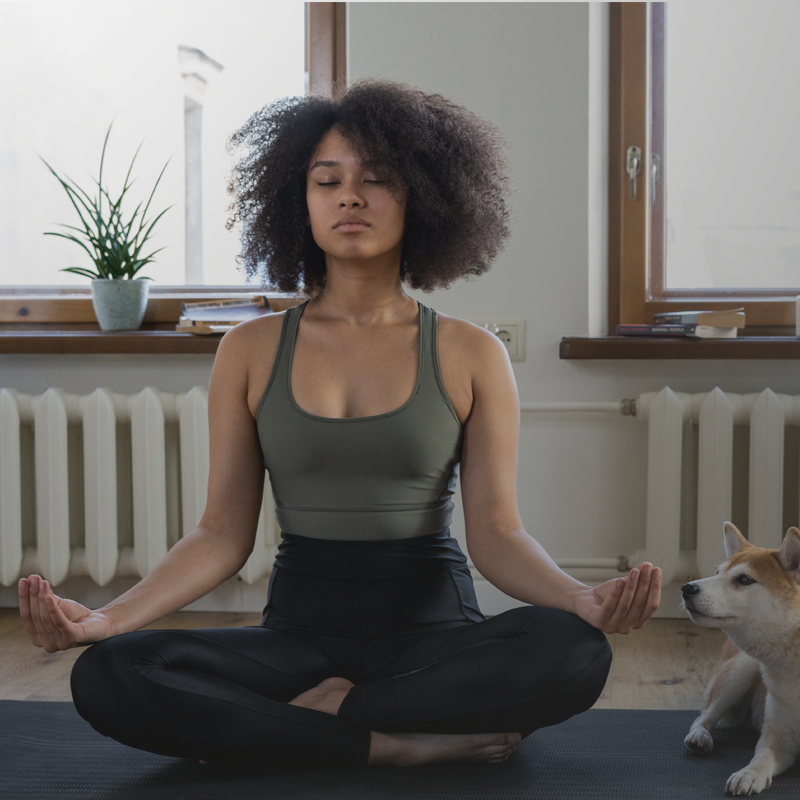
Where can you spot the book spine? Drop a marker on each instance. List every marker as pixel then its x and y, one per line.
pixel 258 301
pixel 185 322
pixel 655 330
pixel 675 319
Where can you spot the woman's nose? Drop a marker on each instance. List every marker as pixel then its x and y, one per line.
pixel 350 197
pixel 351 200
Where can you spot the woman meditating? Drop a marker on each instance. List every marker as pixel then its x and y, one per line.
pixel 362 404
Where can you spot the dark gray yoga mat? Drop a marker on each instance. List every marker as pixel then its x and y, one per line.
pixel 47 752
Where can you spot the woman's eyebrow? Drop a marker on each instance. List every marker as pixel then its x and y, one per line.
pixel 325 164
pixel 366 164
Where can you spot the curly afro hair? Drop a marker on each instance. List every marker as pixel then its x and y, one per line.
pixel 449 161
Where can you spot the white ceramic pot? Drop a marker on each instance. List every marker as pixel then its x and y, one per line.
pixel 119 304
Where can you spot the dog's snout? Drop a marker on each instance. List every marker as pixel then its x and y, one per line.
pixel 689 590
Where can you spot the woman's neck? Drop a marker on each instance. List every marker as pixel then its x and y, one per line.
pixel 362 295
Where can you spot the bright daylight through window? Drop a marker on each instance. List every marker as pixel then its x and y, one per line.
pixel 732 115
pixel 177 77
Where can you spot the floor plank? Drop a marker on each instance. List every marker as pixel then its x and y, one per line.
pixel 664 665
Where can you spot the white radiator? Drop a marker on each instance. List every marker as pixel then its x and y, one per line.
pixel 715 413
pixel 163 443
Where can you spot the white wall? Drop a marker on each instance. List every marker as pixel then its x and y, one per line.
pixel 532 69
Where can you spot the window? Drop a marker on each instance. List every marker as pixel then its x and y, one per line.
pixel 706 95
pixel 177 78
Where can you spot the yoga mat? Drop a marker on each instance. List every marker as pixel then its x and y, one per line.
pixel 47 752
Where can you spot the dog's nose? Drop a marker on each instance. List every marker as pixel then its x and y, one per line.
pixel 689 589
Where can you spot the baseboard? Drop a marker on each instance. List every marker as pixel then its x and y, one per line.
pixel 492 601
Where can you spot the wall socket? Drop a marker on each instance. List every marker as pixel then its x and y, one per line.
pixel 511 333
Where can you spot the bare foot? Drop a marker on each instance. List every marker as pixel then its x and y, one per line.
pixel 407 749
pixel 327 696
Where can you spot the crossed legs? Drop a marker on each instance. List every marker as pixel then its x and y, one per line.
pixel 255 693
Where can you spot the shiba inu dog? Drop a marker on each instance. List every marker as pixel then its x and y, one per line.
pixel 754 597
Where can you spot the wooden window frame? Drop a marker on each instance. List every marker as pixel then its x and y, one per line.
pixel 41 312
pixel 636 236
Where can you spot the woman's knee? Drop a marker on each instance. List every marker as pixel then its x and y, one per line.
pixel 586 660
pixel 589 645
pixel 572 659
pixel 101 681
pixel 568 648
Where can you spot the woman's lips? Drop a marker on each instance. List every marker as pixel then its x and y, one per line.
pixel 350 223
pixel 350 227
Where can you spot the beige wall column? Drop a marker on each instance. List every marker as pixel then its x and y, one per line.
pixel 197 69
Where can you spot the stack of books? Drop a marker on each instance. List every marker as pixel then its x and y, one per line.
pixel 693 324
pixel 218 316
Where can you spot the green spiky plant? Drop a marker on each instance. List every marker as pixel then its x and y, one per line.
pixel 108 240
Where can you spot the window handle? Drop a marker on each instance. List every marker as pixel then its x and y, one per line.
pixel 633 166
pixel 655 174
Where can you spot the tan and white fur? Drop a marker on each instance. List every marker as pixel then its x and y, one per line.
pixel 754 597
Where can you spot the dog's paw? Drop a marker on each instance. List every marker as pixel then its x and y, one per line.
pixel 699 741
pixel 748 781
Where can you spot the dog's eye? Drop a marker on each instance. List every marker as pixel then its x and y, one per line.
pixel 744 580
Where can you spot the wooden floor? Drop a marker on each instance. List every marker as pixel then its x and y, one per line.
pixel 665 665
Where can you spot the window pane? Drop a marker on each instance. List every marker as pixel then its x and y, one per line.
pixel 71 68
pixel 732 114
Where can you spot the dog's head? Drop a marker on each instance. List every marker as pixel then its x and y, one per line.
pixel 753 587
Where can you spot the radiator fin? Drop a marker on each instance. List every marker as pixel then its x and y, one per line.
pixel 10 489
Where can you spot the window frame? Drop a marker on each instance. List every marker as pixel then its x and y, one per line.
pixel 636 229
pixel 45 307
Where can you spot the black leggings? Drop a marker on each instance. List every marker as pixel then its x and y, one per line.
pixel 399 619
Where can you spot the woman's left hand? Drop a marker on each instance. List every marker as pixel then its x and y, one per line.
pixel 622 604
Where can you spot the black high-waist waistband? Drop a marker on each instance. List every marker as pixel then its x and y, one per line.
pixel 378 559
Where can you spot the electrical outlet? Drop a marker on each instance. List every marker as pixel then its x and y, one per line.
pixel 511 333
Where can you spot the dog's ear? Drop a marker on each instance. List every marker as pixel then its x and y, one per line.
pixel 789 554
pixel 734 541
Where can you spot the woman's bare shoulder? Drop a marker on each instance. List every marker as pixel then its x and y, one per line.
pixel 467 353
pixel 254 343
pixel 468 342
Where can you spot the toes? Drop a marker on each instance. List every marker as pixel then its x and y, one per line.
pixel 501 746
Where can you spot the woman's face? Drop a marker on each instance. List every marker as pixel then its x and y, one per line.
pixel 355 211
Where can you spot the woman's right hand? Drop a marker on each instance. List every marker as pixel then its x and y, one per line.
pixel 56 623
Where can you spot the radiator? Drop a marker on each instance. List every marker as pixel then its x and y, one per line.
pixel 163 444
pixel 715 413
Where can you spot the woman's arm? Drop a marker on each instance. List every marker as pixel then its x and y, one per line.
pixel 497 542
pixel 215 551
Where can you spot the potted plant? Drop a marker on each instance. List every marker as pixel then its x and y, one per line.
pixel 119 299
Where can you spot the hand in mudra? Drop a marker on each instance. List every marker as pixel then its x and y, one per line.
pixel 56 623
pixel 622 604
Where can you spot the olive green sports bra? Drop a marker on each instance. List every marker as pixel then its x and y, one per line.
pixel 388 476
